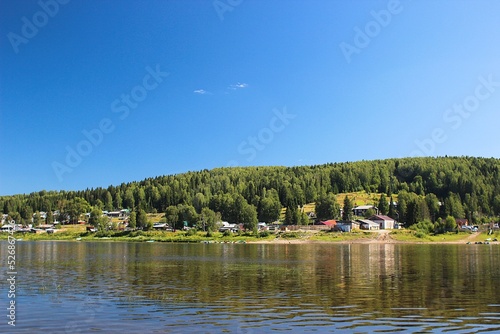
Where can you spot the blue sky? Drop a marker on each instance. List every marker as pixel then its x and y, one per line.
pixel 94 93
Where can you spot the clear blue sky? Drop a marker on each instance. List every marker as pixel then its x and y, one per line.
pixel 258 83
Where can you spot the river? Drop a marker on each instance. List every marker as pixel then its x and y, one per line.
pixel 115 287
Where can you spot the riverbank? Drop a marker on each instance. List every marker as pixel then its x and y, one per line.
pixel 300 237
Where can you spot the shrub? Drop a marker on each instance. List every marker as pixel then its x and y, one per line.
pixel 101 234
pixel 191 232
pixel 420 234
pixel 227 233
pixel 136 234
pixel 291 235
pixel 425 226
pixel 210 234
pixel 264 234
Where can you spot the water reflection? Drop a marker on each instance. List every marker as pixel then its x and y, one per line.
pixel 214 287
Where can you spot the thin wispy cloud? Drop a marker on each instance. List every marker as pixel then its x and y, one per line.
pixel 232 87
pixel 201 91
pixel 238 86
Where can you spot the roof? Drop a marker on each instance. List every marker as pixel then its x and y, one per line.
pixel 364 221
pixel 380 217
pixel 330 222
pixel 364 207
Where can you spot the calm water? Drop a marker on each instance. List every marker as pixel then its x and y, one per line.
pixel 246 288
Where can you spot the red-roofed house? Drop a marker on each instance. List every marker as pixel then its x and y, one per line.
pixel 330 223
pixel 385 222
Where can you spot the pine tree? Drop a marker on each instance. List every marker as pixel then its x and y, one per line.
pixel 289 215
pixel 392 210
pixel 50 217
pixel 383 205
pixel 347 210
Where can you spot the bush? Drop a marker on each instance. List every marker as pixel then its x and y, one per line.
pixel 210 234
pixel 264 234
pixel 136 234
pixel 420 234
pixel 227 233
pixel 101 234
pixel 191 232
pixel 291 235
pixel 425 226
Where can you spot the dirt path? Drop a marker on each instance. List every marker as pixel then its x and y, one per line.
pixel 471 237
pixel 384 237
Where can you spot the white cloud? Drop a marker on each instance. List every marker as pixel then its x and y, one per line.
pixel 238 85
pixel 201 91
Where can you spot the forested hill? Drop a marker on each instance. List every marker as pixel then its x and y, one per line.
pixel 466 186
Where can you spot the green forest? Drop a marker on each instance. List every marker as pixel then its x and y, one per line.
pixel 427 189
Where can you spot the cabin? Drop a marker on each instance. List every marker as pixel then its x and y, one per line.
pixel 229 227
pixel 462 222
pixel 330 223
pixel 160 226
pixel 347 226
pixel 385 222
pixel 361 209
pixel 114 214
pixel 366 224
pixel 261 226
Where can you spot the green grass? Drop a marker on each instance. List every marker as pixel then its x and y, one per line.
pixel 343 236
pixel 76 231
pixel 43 236
pixel 358 198
pixel 413 236
pixel 139 236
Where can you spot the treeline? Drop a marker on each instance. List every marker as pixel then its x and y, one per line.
pixel 427 188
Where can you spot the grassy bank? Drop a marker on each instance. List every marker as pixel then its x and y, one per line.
pixel 140 236
pixel 192 236
pixel 343 236
pixel 451 237
pixel 77 232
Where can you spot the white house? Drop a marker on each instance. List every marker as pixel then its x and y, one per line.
pixel 229 227
pixel 385 222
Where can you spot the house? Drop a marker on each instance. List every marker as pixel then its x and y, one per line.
pixel 160 226
pixel 229 227
pixel 261 226
pixel 361 210
pixel 366 224
pixel 385 222
pixel 43 214
pixel 115 214
pixel 10 227
pixel 347 226
pixel 462 222
pixel 330 223
pixel 45 226
pixel 124 213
